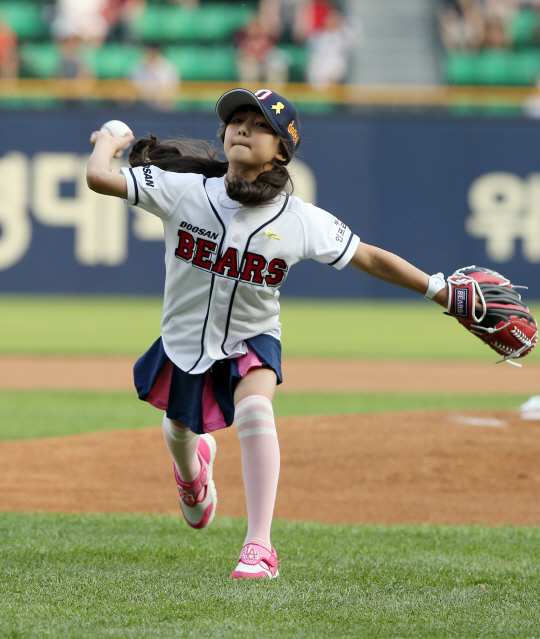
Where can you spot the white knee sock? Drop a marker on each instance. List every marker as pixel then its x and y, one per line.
pixel 182 444
pixel 254 418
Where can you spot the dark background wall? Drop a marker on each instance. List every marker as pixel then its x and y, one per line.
pixel 400 183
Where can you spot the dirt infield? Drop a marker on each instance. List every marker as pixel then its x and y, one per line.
pixel 421 466
pixel 416 466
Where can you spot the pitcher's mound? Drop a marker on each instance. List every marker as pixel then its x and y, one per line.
pixel 417 466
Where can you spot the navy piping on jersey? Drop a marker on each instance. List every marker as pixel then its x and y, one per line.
pixel 136 188
pixel 211 281
pixel 344 251
pixel 241 268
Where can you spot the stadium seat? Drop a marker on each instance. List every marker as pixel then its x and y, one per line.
pixel 220 21
pixel 524 27
pixel 165 23
pixel 526 67
pixel 460 68
pixel 39 60
pixel 297 59
pixel 113 60
pixel 25 18
pixel 203 63
pixel 494 67
pixel 173 23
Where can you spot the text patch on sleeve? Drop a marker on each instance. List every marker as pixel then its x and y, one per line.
pixel 337 230
pixel 149 179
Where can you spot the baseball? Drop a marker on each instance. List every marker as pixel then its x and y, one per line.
pixel 117 129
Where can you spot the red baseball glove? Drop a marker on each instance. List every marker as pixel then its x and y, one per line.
pixel 504 323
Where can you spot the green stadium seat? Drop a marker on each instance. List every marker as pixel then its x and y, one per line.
pixel 25 18
pixel 113 60
pixel 494 67
pixel 39 60
pixel 524 27
pixel 298 56
pixel 203 63
pixel 208 23
pixel 526 67
pixel 459 68
pixel 167 23
pixel 216 22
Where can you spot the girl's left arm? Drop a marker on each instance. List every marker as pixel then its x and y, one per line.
pixel 395 270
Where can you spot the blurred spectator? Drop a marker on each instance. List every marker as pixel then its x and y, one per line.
pixel 72 66
pixel 282 17
pixel 462 25
pixel 504 9
pixel 470 25
pixel 258 58
pixel 83 19
pixel 329 50
pixel 156 80
pixel 495 33
pixel 9 60
pixel 311 18
pixel 120 16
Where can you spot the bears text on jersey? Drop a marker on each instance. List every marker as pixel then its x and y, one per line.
pixel 252 269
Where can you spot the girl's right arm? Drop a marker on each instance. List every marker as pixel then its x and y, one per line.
pixel 99 175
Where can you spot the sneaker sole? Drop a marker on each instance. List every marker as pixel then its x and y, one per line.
pixel 211 486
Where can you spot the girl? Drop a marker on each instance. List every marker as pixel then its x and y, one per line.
pixel 231 234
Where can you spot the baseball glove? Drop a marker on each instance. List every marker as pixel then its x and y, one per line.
pixel 504 323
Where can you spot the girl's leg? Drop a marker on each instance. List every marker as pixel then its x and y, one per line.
pixel 256 429
pixel 182 444
pixel 193 457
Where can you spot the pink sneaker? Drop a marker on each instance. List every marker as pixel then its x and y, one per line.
pixel 256 561
pixel 198 500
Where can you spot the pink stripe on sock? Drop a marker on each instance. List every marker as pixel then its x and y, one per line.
pixel 259 407
pixel 159 395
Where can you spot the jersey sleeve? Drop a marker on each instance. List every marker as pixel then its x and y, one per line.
pixel 328 240
pixel 155 190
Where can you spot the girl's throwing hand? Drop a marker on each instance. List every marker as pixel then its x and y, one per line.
pixel 117 145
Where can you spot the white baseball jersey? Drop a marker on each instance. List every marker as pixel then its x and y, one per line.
pixel 225 262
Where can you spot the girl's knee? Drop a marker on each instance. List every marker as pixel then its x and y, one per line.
pixel 258 381
pixel 174 424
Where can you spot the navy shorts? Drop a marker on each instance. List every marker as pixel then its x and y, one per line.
pixel 203 402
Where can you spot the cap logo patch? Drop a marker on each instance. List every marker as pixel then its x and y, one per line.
pixel 262 94
pixel 293 132
pixel 278 107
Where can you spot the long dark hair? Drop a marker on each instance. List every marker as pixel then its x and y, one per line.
pixel 196 156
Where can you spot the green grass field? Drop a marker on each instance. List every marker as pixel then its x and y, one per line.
pixel 135 576
pixel 27 414
pixel 143 576
pixel 335 328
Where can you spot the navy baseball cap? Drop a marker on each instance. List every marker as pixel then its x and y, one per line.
pixel 280 113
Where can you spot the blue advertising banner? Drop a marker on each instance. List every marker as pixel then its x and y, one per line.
pixel 440 193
